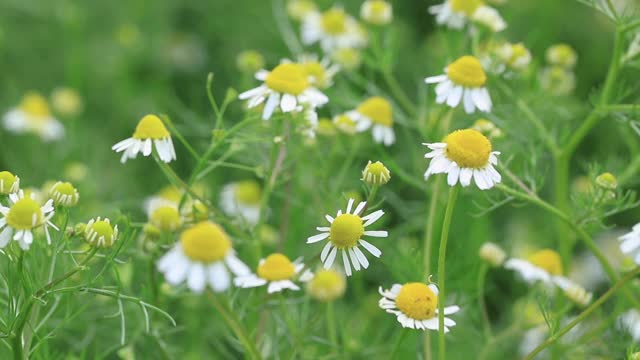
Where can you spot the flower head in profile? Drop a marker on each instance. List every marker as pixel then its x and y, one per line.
pixel 492 254
pixel 345 124
pixel 455 14
pixel 242 199
pixel 64 194
pixel 100 233
pixel 326 285
pixel 276 270
pixel 9 183
pixel 23 216
pixel 344 235
pixel 464 81
pixel 333 29
pixel 164 215
pixel 203 256
pixel 287 86
pixel 515 56
pixel 33 115
pixel 376 173
pixel 149 133
pixel 487 128
pixel 416 306
pixel 320 72
pixel 375 113
pixel 377 12
pixel 464 155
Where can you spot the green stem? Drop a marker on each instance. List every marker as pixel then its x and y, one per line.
pixel 446 224
pixel 179 136
pixel 486 322
pixel 396 347
pixel 399 94
pixel 235 325
pixel 621 107
pixel 596 304
pixel 331 324
pixel 561 201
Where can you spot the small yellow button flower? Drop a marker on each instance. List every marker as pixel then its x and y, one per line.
pixel 347 58
pixel 562 55
pixel 150 132
pixel 9 183
pixel 34 116
pixel 276 270
pixel 334 29
pixel 99 232
pixel 66 101
pixel 327 285
pixel 64 194
pixel 515 56
pixel 376 173
pixel 320 72
pixel 492 253
pixel 345 124
pixel 375 113
pixel 166 218
pixel 242 199
pixel 23 216
pixel 557 80
pixel 607 181
pixel 487 128
pixel 377 12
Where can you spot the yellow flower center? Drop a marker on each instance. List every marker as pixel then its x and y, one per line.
pixel 315 70
pixel 334 21
pixel 607 180
pixel 276 267
pixel 468 148
pixel 7 180
pixel 103 229
pixel 248 192
pixel 25 214
pixel 151 127
pixel 346 230
pixel 288 79
pixel 517 51
pixel 377 168
pixel 64 188
pixel 348 58
pixel 467 71
pixel 206 242
pixel 166 218
pixel 170 193
pixel 327 285
pixel 345 123
pixel 548 260
pixel 33 104
pixel 467 7
pixel 561 54
pixel 378 110
pixel 378 7
pixel 417 301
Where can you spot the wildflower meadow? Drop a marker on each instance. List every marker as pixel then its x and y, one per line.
pixel 319 179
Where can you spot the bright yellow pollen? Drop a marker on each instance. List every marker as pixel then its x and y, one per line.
pixel 468 7
pixel 417 301
pixel 21 214
pixel 276 267
pixel 468 148
pixel 166 218
pixel 334 21
pixel 206 242
pixel 288 79
pixel 378 110
pixel 35 105
pixel 315 70
pixel 346 230
pixel 7 180
pixel 327 285
pixel 548 260
pixel 248 192
pixel 151 127
pixel 467 71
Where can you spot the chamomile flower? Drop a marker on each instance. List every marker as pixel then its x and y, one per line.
pixel 557 80
pixel 149 133
pixel 573 291
pixel 375 113
pixel 345 234
pixel 376 174
pixel 100 233
pixel 320 72
pixel 562 55
pixel 464 81
pixel 326 285
pixel 630 243
pixel 487 128
pixel 377 12
pixel 347 58
pixel 542 265
pixel 9 183
pixel 64 194
pixel 22 217
pixel 33 115
pixel 287 86
pixel 66 101
pixel 202 256
pixel 298 9
pixel 456 13
pixel 492 253
pixel 463 155
pixel 242 199
pixel 333 29
pixel 164 215
pixel 345 124
pixel 276 270
pixel 416 306
pixel 515 56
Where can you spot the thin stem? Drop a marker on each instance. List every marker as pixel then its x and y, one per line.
pixel 486 322
pixel 179 136
pixel 396 347
pixel 331 324
pixel 446 224
pixel 561 201
pixel 235 325
pixel 621 107
pixel 596 304
pixel 399 94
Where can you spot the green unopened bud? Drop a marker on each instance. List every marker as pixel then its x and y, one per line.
pixel 230 95
pixel 607 181
pixel 376 173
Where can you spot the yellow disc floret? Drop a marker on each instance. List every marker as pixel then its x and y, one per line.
pixel 9 183
pixel 327 285
pixel 334 21
pixel 25 214
pixel 378 110
pixel 417 301
pixel 376 173
pixel 346 230
pixel 468 148
pixel 548 260
pixel 206 242
pixel 467 71
pixel 64 193
pixel 345 124
pixel 248 192
pixel 288 78
pixel 35 105
pixel 276 267
pixel 166 218
pixel 151 127
pixel 101 233
pixel 170 193
pixel 467 7
pixel 315 70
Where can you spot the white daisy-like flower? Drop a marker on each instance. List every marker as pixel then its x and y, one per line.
pixel 463 155
pixel 416 306
pixel 326 285
pixel 22 217
pixel 573 291
pixel 377 12
pixel 242 199
pixel 164 215
pixel 149 133
pixel 375 113
pixel 456 13
pixel 33 115
pixel 334 29
pixel 463 82
pixel 630 321
pixel 345 236
pixel 99 232
pixel 276 270
pixel 202 257
pixel 287 86
pixel 64 194
pixel 9 183
pixel 630 243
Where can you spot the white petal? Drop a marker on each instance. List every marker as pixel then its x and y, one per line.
pixel 435 79
pixel 219 278
pixel 331 258
pixel 372 249
pixel 318 237
pixel 354 259
pixel 196 279
pixel 288 103
pixel 376 233
pixel 325 251
pixel 455 95
pixel 270 106
pixel 345 262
